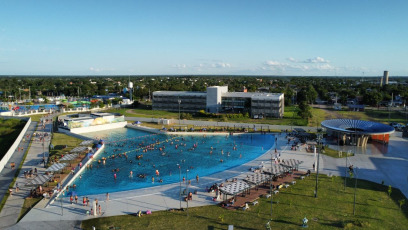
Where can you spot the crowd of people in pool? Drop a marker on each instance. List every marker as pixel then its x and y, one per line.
pixel 140 155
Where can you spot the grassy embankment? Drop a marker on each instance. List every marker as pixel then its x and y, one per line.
pixel 290 116
pixel 333 208
pixel 9 131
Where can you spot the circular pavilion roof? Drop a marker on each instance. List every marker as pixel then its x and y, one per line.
pixel 357 126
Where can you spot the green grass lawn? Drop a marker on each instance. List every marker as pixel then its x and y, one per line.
pixel 9 131
pixel 59 140
pixel 28 204
pixel 333 208
pixel 290 116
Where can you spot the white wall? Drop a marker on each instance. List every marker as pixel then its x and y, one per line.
pixel 214 95
pixel 13 148
pixel 95 128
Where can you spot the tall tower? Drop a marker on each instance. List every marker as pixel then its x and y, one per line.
pixel 386 77
pixel 130 86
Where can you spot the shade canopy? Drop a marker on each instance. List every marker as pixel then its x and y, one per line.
pixel 235 188
pixel 291 163
pixel 69 157
pixel 39 180
pixel 257 178
pixel 56 167
pixel 277 169
pixel 79 149
pixel 87 142
pixel 357 126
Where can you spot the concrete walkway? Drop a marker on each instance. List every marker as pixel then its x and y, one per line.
pixel 12 209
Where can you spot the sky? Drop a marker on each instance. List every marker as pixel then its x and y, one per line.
pixel 204 37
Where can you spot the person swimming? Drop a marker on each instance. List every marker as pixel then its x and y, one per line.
pixel 131 174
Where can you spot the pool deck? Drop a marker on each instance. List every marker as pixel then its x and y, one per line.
pixel 371 165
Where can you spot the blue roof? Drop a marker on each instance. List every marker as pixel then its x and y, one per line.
pixel 357 126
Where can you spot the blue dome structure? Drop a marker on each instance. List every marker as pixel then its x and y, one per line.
pixel 357 132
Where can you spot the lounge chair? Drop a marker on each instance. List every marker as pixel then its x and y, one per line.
pixel 255 202
pixel 246 207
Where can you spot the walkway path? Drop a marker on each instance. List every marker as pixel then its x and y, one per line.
pixel 11 210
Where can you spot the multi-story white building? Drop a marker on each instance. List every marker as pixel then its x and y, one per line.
pixel 217 99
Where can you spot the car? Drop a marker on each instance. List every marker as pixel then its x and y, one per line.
pixel 398 127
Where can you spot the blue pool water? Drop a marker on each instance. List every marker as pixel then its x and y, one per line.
pixel 198 160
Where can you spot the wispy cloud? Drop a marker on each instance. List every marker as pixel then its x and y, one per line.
pixel 309 60
pixel 98 70
pixel 180 66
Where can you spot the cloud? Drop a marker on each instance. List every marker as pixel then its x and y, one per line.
pixel 220 65
pixel 275 63
pixel 316 60
pixel 291 59
pixel 309 60
pixel 92 69
pixel 180 66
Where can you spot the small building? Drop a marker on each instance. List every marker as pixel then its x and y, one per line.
pixel 357 108
pixel 84 123
pixel 357 132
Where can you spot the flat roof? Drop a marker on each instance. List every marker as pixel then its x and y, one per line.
pixel 102 114
pixel 180 93
pixel 253 95
pixel 357 126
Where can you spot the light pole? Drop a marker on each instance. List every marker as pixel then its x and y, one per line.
pixel 271 183
pixel 318 160
pixel 179 166
pixel 179 102
pixel 355 190
pixel 187 189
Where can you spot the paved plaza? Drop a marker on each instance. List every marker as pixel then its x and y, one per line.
pixel 371 164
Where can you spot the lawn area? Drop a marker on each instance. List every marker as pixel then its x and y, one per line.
pixel 59 140
pixel 9 131
pixel 332 209
pixel 375 115
pixel 28 204
pixel 290 116
pixel 334 153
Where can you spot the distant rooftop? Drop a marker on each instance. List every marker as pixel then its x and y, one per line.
pixel 180 93
pixel 252 95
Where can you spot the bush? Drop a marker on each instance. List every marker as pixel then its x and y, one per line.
pixel 186 116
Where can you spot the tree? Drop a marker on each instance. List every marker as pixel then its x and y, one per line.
pixel 304 110
pixel 311 94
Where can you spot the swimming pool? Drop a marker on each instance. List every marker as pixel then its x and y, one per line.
pixel 190 152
